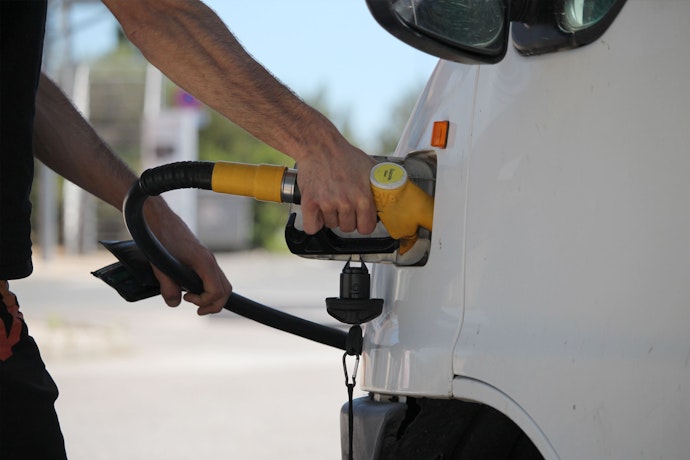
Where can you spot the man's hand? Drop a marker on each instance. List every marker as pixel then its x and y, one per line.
pixel 179 240
pixel 336 192
pixel 67 143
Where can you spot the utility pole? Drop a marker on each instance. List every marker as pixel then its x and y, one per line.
pixel 170 135
pixel 79 216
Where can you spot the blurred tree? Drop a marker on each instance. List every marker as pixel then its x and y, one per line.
pixel 390 133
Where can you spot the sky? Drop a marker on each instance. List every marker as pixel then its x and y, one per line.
pixel 312 46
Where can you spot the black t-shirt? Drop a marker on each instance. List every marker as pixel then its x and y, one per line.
pixel 22 25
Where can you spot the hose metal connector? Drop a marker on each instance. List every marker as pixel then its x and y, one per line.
pixel 289 192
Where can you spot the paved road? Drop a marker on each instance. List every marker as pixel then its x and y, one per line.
pixel 143 381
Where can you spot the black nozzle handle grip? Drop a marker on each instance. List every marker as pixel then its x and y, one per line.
pixel 173 176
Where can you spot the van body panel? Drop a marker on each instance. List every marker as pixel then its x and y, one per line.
pixel 410 349
pixel 559 271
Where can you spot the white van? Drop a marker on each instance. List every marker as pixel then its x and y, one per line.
pixel 547 313
pixel 551 317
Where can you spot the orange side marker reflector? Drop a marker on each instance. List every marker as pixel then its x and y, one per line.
pixel 439 135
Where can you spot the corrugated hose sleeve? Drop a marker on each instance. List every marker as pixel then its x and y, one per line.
pixel 173 176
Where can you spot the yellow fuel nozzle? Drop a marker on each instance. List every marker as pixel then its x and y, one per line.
pixel 401 205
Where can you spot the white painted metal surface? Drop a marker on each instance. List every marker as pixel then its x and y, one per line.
pixel 409 348
pixel 559 275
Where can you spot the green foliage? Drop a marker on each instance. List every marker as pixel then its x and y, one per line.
pixel 222 140
pixel 390 135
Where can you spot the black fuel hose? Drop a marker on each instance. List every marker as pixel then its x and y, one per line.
pixel 197 174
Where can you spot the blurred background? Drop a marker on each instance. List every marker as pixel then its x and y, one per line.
pixel 332 54
pixel 142 381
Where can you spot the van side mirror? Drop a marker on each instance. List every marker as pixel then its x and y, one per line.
pixel 468 31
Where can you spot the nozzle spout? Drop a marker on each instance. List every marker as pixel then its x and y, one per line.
pixel 401 205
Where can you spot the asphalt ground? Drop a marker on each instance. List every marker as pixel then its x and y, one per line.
pixel 145 381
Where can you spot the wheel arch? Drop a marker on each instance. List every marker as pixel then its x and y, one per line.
pixel 480 392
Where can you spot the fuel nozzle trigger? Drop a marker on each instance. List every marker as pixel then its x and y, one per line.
pixel 354 306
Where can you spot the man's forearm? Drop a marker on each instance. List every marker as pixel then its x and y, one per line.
pixel 65 142
pixel 192 46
